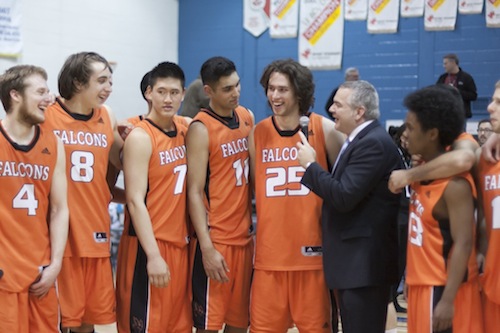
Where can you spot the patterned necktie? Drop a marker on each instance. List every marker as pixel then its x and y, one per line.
pixel 344 147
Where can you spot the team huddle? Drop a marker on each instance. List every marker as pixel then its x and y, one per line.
pixel 326 240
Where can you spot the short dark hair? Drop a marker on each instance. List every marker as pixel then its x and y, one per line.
pixel 165 70
pixel 144 84
pixel 77 69
pixel 215 68
pixel 438 108
pixel 14 78
pixel 482 121
pixel 451 56
pixel 300 78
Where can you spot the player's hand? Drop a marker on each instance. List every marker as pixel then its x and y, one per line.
pixel 398 180
pixel 158 272
pixel 491 148
pixel 45 281
pixel 215 265
pixel 124 129
pixel 306 154
pixel 442 318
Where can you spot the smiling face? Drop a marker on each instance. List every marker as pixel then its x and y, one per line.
pixel 345 116
pixel 99 87
pixel 33 102
pixel 494 110
pixel 281 96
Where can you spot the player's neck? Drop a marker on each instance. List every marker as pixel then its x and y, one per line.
pixel 20 132
pixel 76 105
pixel 288 122
pixel 223 112
pixel 165 123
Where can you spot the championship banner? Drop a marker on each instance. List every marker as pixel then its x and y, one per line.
pixel 470 6
pixel 440 14
pixel 492 13
pixel 321 34
pixel 10 28
pixel 355 10
pixel 284 18
pixel 256 16
pixel 412 8
pixel 383 16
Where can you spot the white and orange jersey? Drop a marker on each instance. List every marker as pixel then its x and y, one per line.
pixel 227 197
pixel 429 241
pixel 87 141
pixel 288 213
pixel 25 181
pixel 489 185
pixel 166 191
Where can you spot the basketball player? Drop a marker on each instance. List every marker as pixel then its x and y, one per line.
pixel 88 131
pixel 219 202
pixel 153 271
pixel 33 205
pixel 488 175
pixel 442 276
pixel 288 280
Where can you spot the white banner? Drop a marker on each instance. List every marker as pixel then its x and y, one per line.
pixel 284 18
pixel 440 14
pixel 10 28
pixel 383 16
pixel 321 34
pixel 356 10
pixel 256 16
pixel 470 6
pixel 492 13
pixel 412 8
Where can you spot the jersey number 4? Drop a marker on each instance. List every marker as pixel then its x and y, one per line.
pixel 25 199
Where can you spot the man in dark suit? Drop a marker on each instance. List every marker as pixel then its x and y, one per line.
pixel 359 217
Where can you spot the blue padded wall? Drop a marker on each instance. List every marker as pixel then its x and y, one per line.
pixel 395 63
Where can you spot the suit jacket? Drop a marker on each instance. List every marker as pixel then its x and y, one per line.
pixel 467 88
pixel 359 214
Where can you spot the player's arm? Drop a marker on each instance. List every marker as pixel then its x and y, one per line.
pixel 136 155
pixel 333 140
pixel 491 148
pixel 58 225
pixel 458 203
pixel 251 152
pixel 115 160
pixel 197 159
pixel 481 237
pixel 460 159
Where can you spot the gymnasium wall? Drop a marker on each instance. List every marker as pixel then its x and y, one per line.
pixel 395 63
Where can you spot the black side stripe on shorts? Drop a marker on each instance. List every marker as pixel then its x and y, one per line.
pixel 200 290
pixel 140 292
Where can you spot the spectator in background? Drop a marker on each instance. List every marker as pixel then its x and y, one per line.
pixel 195 99
pixel 462 81
pixel 484 130
pixel 351 74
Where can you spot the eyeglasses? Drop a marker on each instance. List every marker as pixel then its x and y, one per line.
pixel 484 130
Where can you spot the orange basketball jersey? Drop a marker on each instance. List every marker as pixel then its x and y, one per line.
pixel 288 213
pixel 87 141
pixel 25 181
pixel 137 119
pixel 166 195
pixel 227 190
pixel 429 241
pixel 489 182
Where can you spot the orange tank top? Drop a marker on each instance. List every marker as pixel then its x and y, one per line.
pixel 25 181
pixel 288 213
pixel 166 195
pixel 227 197
pixel 429 241
pixel 87 142
pixel 489 182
